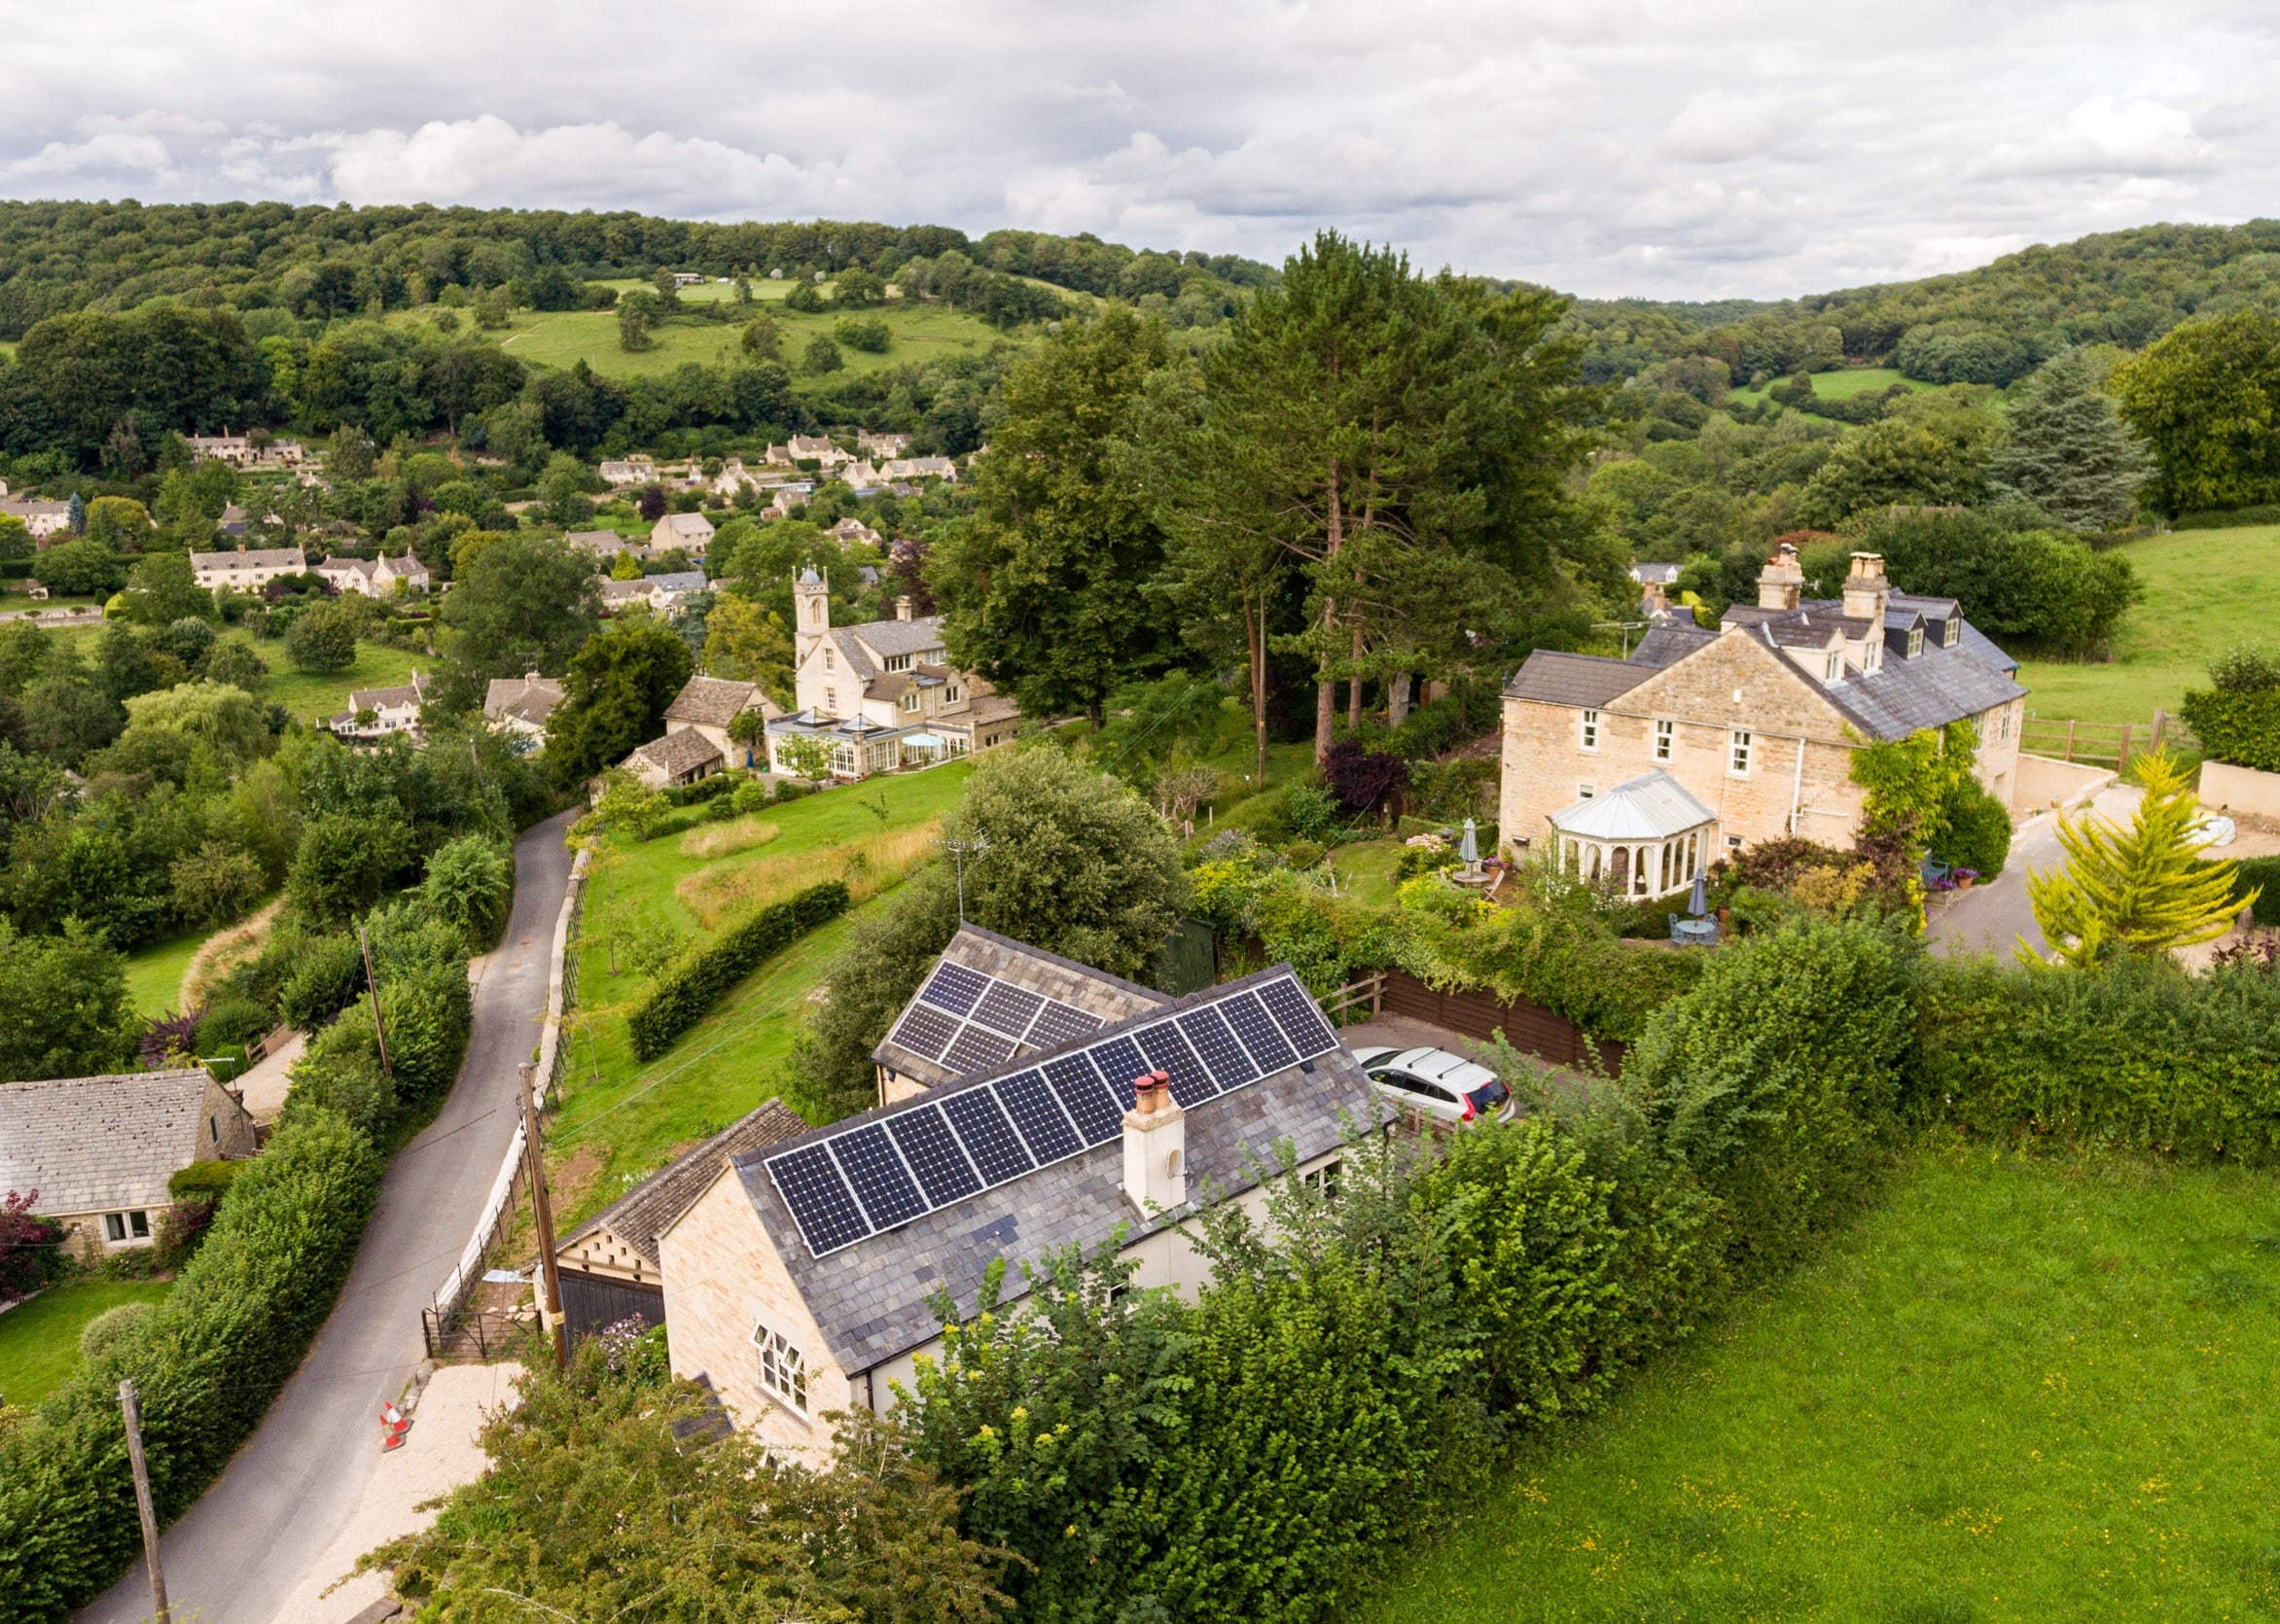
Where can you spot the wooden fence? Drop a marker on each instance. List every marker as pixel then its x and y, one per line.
pixel 2104 744
pixel 1528 1027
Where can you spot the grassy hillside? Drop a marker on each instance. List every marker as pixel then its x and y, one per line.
pixel 2202 592
pixel 2017 1392
pixel 920 332
pixel 1842 385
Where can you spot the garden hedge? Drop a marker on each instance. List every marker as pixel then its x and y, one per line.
pixel 206 1365
pixel 685 991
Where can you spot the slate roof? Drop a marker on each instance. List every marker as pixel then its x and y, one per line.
pixel 621 592
pixel 648 1210
pixel 530 698
pixel 252 558
pixel 901 637
pixel 715 701
pixel 1938 686
pixel 1671 642
pixel 1553 677
pixel 679 581
pixel 1096 992
pixel 101 1144
pixel 412 693
pixel 692 526
pixel 871 1300
pixel 608 544
pixel 684 749
pixel 1659 575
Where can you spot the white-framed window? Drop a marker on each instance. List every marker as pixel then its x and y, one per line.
pixel 1590 734
pixel 1734 842
pixel 783 1367
pixel 1584 792
pixel 1834 666
pixel 1325 1178
pixel 911 700
pixel 898 662
pixel 1950 629
pixel 120 1227
pixel 950 694
pixel 1665 740
pixel 831 701
pixel 827 659
pixel 1872 655
pixel 1737 760
pixel 1915 641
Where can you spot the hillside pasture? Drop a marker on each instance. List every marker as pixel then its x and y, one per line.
pixel 920 332
pixel 2016 1390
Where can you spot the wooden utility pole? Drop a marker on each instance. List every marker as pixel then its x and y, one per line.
pixel 372 985
pixel 132 1410
pixel 542 1211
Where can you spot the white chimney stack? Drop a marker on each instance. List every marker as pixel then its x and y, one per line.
pixel 1155 1145
pixel 902 609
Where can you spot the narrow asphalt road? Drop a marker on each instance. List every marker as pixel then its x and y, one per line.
pixel 1992 917
pixel 235 1555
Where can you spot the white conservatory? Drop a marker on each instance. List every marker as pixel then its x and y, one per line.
pixel 1648 836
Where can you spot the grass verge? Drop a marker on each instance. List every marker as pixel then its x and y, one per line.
pixel 2016 1390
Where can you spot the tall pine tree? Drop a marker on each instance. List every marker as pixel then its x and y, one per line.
pixel 2069 451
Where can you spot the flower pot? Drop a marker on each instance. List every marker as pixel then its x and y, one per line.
pixel 1963 885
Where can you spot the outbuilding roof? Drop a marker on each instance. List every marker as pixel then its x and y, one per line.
pixel 717 701
pixel 648 1210
pixel 683 750
pixel 1653 806
pixel 100 1144
pixel 529 698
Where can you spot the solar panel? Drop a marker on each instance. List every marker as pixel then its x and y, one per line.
pixel 954 987
pixel 1310 1033
pixel 926 1031
pixel 1120 1062
pixel 1192 1084
pixel 877 1176
pixel 1058 1023
pixel 1216 1046
pixel 1007 1008
pixel 809 1181
pixel 988 1133
pixel 1087 1102
pixel 974 1050
pixel 932 1152
pixel 1039 1119
pixel 1259 1035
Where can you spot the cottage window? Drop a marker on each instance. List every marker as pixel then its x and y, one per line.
pixel 950 694
pixel 783 1367
pixel 911 700
pixel 1739 763
pixel 827 658
pixel 831 701
pixel 1915 641
pixel 1834 667
pixel 1325 1178
pixel 139 1224
pixel 1590 729
pixel 1665 739
pixel 114 1226
pixel 1949 630
pixel 1872 655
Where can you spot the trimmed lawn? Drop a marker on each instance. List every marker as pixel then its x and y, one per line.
pixel 2202 589
pixel 620 1119
pixel 155 972
pixel 921 333
pixel 2016 1390
pixel 314 696
pixel 1844 384
pixel 1364 870
pixel 39 1340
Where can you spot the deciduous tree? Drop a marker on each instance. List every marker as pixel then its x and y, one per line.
pixel 615 695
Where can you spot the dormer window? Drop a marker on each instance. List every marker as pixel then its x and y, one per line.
pixel 1872 655
pixel 1834 670
pixel 1915 641
pixel 1950 629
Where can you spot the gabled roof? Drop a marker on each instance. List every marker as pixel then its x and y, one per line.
pixel 1107 998
pixel 683 750
pixel 688 524
pixel 1552 678
pixel 873 1300
pixel 100 1144
pixel 679 581
pixel 625 591
pixel 1671 642
pixel 412 693
pixel 251 558
pixel 648 1210
pixel 530 698
pixel 901 637
pixel 1653 806
pixel 1938 686
pixel 716 701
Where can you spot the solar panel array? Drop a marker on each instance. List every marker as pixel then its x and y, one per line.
pixel 969 1021
pixel 886 1171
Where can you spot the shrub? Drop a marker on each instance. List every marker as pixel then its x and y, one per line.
pixel 1978 832
pixel 684 992
pixel 790 790
pixel 208 1178
pixel 207 1362
pixel 1361 779
pixel 469 886
pixel 31 1253
pixel 107 1327
pixel 750 797
pixel 2260 874
pixel 1310 811
pixel 328 976
pixel 720 809
pixel 229 1022
pixel 2237 717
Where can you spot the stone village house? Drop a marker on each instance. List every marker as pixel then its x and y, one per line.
pixel 883 695
pixel 101 1150
pixel 801 1279
pixel 1643 772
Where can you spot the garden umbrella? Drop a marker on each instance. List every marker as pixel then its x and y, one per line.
pixel 1470 850
pixel 1699 901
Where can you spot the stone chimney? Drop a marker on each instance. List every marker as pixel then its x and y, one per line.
pixel 1155 1145
pixel 1655 601
pixel 1781 583
pixel 902 609
pixel 1866 590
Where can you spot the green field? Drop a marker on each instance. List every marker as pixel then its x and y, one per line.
pixel 2204 593
pixel 921 333
pixel 154 972
pixel 39 1340
pixel 2015 1391
pixel 309 695
pixel 1842 385
pixel 620 1119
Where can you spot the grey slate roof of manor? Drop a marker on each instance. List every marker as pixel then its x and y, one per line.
pixel 100 1144
pixel 648 1210
pixel 1096 992
pixel 872 1300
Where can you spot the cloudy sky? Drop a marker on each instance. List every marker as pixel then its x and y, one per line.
pixel 1673 148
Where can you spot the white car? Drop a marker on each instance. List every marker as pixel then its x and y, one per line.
pixel 1437 1083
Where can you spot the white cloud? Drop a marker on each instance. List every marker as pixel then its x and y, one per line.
pixel 1690 150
